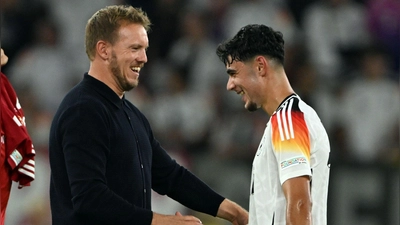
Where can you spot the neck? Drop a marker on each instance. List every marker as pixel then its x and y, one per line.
pixel 103 73
pixel 278 90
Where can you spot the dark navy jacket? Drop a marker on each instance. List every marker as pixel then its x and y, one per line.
pixel 105 160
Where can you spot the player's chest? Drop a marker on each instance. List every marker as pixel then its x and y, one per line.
pixel 264 152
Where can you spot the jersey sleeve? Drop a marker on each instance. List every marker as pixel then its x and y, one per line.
pixel 291 141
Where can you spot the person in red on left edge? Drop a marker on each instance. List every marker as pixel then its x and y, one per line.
pixel 17 154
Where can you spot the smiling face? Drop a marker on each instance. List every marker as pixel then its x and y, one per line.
pixel 244 80
pixel 128 56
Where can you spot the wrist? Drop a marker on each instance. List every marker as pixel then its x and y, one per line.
pixel 230 211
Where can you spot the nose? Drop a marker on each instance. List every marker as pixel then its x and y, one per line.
pixel 142 57
pixel 230 85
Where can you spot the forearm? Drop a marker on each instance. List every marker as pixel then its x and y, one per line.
pixel 196 195
pixel 298 201
pixel 232 212
pixel 177 219
pixel 298 213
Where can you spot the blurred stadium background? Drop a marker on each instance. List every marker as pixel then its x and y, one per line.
pixel 342 57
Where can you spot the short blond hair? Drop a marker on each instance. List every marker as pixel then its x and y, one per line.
pixel 104 24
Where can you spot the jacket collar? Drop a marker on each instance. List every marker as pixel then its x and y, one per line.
pixel 103 90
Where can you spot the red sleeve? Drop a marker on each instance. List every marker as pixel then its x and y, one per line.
pixel 18 144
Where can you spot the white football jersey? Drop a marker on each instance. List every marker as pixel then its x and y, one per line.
pixel 294 144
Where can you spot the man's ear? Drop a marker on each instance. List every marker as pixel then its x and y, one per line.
pixel 102 49
pixel 261 64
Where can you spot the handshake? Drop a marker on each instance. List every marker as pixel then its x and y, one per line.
pixel 228 210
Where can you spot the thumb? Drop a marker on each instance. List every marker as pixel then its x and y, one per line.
pixel 178 214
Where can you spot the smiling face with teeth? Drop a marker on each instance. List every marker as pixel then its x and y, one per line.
pixel 128 55
pixel 245 80
pixel 254 60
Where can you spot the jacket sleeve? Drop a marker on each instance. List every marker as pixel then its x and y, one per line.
pixel 170 178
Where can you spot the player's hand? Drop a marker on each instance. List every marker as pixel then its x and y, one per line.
pixel 4 58
pixel 242 218
pixel 232 212
pixel 177 219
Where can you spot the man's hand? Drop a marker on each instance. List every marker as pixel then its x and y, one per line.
pixel 4 58
pixel 177 219
pixel 233 212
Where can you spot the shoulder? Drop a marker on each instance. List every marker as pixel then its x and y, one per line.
pixel 289 105
pixel 291 115
pixel 82 103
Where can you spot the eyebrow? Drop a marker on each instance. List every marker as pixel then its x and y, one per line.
pixel 230 71
pixel 137 45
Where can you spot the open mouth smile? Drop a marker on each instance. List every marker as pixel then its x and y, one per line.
pixel 136 69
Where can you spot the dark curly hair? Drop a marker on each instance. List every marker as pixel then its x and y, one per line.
pixel 252 40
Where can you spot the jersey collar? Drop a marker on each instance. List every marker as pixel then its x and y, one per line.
pixel 283 102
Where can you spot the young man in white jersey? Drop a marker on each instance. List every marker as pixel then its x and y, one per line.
pixel 290 172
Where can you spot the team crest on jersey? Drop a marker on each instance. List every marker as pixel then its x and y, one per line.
pixel 16 156
pixel 293 161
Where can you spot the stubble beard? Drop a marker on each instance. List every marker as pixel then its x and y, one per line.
pixel 117 73
pixel 252 107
